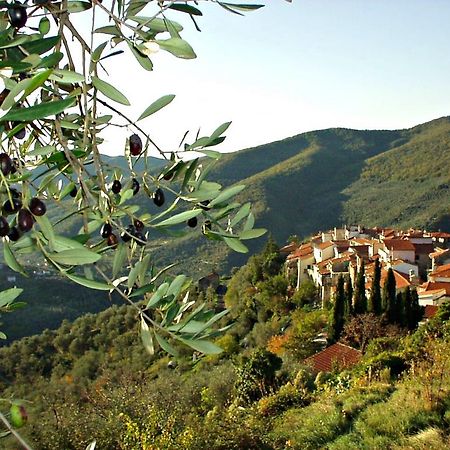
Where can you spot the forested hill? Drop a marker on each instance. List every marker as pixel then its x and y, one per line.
pixel 320 179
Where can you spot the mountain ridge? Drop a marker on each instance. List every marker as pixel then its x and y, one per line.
pixel 323 178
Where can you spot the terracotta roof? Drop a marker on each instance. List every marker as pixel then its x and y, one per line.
pixel 440 234
pixel 441 271
pixel 361 250
pixel 341 242
pixel 325 244
pixel 338 354
pixel 430 311
pixel 303 250
pixel 415 233
pixel 433 286
pixel 423 249
pixel 436 293
pixel 340 259
pixel 362 241
pixel 398 244
pixel 323 263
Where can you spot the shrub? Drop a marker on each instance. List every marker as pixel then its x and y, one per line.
pixel 288 395
pixel 256 375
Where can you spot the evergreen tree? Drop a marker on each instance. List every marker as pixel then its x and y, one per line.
pixel 348 298
pixel 338 312
pixel 413 311
pixel 360 306
pixel 389 296
pixel 374 304
pixel 272 260
pixel 399 314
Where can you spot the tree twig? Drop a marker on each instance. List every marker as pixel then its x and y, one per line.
pixel 10 428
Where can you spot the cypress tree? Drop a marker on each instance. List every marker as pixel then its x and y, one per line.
pixel 374 304
pixel 338 311
pixel 389 296
pixel 405 308
pixel 360 306
pixel 348 298
pixel 399 314
pixel 414 310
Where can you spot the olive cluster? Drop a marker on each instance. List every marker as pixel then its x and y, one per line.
pixel 24 216
pixel 133 232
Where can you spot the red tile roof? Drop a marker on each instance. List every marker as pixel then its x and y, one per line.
pixel 338 354
pixel 362 241
pixel 434 286
pixel 441 271
pixel 340 259
pixel 440 234
pixel 398 244
pixel 430 311
pixel 415 233
pixel 303 250
pixel 325 244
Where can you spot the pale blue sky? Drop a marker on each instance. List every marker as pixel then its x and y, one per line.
pixel 294 67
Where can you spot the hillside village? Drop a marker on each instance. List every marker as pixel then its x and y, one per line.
pixel 419 259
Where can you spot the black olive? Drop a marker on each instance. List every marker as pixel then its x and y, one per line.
pixel 128 234
pixel 73 192
pixel 14 234
pixel 112 240
pixel 4 227
pixel 19 134
pixel 5 164
pixel 11 208
pixel 158 197
pixel 3 96
pixel 192 222
pixel 14 166
pixel 37 207
pixel 116 186
pixel 168 176
pixel 140 238
pixel 17 16
pixel 25 220
pixel 139 225
pixel 106 230
pixel 15 193
pixel 135 186
pixel 135 145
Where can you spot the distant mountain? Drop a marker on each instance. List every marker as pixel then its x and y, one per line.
pixel 321 179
